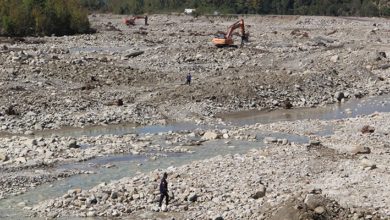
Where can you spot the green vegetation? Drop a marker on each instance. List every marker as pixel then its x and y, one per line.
pixel 299 7
pixel 66 17
pixel 42 17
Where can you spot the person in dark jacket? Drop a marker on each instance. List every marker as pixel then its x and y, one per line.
pixel 164 190
pixel 189 77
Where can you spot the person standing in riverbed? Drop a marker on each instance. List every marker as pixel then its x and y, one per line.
pixel 164 190
pixel 189 77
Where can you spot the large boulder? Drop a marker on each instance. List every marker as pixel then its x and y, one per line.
pixel 360 150
pixel 268 140
pixel 210 135
pixel 3 156
pixel 192 197
pixel 367 129
pixel 339 96
pixel 260 193
pixel 73 144
pixel 313 201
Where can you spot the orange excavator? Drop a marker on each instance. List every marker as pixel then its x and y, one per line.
pixel 131 21
pixel 223 40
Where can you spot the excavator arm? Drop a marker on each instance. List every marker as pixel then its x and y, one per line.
pixel 131 21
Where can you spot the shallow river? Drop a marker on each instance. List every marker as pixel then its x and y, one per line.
pixel 130 165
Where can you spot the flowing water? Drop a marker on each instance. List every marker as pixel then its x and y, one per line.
pixel 130 165
pixel 350 109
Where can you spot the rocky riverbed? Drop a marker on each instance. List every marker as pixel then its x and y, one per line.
pixel 338 176
pixel 136 75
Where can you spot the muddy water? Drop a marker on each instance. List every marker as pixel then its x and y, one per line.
pixel 129 165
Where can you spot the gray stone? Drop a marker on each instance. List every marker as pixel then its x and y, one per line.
pixel 360 150
pixel 34 142
pixel 192 197
pixel 3 156
pixel 260 193
pixel 21 160
pixel 367 129
pixel 367 164
pixel 52 214
pixel 334 58
pixel 339 96
pixel 91 214
pixel 312 201
pixel 134 54
pixel 29 133
pixel 114 195
pixel 319 210
pixel 73 144
pixel 155 209
pixel 209 135
pixel 314 142
pixel 268 140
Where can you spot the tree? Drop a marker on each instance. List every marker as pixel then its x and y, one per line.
pixel 42 17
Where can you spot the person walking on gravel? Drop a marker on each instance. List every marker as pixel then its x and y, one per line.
pixel 189 77
pixel 164 190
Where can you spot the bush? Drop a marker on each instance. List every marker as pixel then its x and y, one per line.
pixel 42 17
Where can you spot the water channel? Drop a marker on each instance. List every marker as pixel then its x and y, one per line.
pixel 130 165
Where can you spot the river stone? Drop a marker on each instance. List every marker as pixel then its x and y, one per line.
pixel 33 142
pixel 133 54
pixel 91 201
pixel 74 191
pixel 115 213
pixel 3 156
pixel 29 133
pixel 260 192
pixel 164 208
pixel 52 214
pixel 21 204
pixel 312 201
pixel 73 144
pixel 319 210
pixel 361 150
pixel 38 127
pixel 155 209
pixel 114 195
pixel 192 197
pixel 21 160
pixel 268 140
pixel 334 58
pixel 367 164
pixel 314 142
pixel 91 214
pixel 339 96
pixel 367 129
pixel 209 135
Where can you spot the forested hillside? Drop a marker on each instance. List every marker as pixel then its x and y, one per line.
pixel 42 17
pixel 64 17
pixel 300 7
